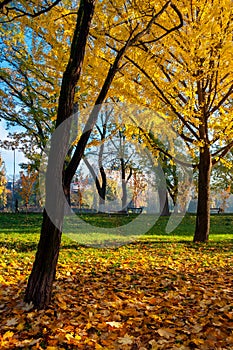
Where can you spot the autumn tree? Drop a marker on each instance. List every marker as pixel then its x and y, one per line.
pixel 186 77
pixel 98 140
pixel 80 183
pixel 3 182
pixel 43 273
pixel 33 57
pixel 112 154
pixel 28 184
pixel 139 183
pixel 222 174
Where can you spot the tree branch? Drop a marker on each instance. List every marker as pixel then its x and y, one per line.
pixel 4 3
pixel 25 13
pixel 163 97
pixel 223 151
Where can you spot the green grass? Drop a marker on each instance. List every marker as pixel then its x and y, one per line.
pixel 21 231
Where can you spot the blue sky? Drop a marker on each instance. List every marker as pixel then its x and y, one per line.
pixel 8 155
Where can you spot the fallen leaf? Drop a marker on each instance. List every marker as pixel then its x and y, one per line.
pixel 153 344
pixel 166 332
pixel 28 342
pixel 27 306
pixel 126 340
pixel 20 326
pixel 115 324
pixel 12 321
pixel 8 334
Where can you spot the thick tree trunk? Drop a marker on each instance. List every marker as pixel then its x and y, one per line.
pixel 203 204
pixel 40 282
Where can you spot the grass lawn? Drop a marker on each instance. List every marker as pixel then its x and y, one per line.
pixel 161 291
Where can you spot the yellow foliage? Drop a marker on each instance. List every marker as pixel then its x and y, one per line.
pixel 185 76
pixel 3 182
pixel 28 182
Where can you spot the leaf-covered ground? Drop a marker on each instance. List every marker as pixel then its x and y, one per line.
pixel 141 296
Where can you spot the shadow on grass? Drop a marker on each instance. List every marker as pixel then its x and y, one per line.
pixel 20 232
pixel 19 247
pixel 210 247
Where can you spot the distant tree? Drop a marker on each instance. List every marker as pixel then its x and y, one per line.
pixel 3 182
pixel 222 174
pixel 28 185
pixel 80 182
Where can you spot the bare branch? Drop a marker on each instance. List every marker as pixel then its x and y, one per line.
pixel 24 13
pixel 4 3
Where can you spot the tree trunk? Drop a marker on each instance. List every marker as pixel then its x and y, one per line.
pixel 102 193
pixel 163 202
pixel 101 188
pixel 123 186
pixel 40 282
pixel 203 204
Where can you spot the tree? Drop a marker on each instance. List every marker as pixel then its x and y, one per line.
pixel 3 182
pixel 161 152
pixel 80 184
pixel 28 183
pixel 33 56
pixel 187 78
pixel 43 273
pixel 138 184
pixel 222 175
pixel 100 177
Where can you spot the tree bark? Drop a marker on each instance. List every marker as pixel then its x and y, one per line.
pixel 40 282
pixel 203 204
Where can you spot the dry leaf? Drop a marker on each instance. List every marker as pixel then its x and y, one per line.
pixel 115 324
pixel 166 332
pixel 153 344
pixel 126 340
pixel 12 321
